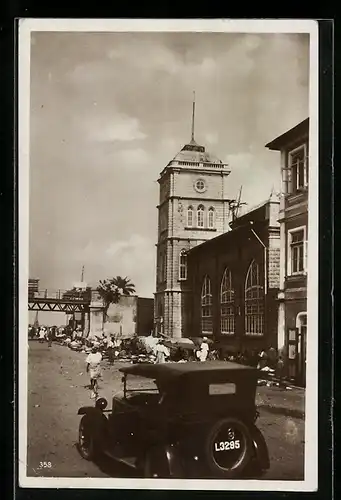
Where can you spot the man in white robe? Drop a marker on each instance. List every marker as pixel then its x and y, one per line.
pixel 203 351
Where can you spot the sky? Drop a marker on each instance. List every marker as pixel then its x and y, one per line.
pixel 108 111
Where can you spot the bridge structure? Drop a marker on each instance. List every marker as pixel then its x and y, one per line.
pixel 66 301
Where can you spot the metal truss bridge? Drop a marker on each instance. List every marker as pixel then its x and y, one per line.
pixel 67 301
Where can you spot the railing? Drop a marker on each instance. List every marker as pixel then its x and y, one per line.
pixel 204 164
pixel 60 295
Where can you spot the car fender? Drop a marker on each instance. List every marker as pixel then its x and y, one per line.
pixel 260 447
pixel 89 410
pixel 173 460
pixel 96 417
pixel 167 459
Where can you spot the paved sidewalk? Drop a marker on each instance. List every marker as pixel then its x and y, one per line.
pixel 289 402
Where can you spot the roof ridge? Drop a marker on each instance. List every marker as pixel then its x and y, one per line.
pixel 260 204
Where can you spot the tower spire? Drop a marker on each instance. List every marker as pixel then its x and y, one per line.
pixel 193 116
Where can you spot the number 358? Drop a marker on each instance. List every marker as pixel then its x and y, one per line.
pixel 45 465
pixel 227 445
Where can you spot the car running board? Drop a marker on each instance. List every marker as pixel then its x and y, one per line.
pixel 129 461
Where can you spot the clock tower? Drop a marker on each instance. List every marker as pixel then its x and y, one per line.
pixel 193 207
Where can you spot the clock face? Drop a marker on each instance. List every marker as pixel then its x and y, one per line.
pixel 200 185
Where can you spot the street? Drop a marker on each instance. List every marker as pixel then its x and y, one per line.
pixel 58 386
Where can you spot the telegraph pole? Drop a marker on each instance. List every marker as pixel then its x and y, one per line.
pixel 193 116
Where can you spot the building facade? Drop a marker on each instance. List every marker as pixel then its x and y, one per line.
pixel 193 207
pixel 293 147
pixel 33 286
pixel 144 316
pixel 234 280
pixel 131 316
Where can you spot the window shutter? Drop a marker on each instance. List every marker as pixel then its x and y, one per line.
pixel 285 179
pixel 289 180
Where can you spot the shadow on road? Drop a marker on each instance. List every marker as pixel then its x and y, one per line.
pixel 111 467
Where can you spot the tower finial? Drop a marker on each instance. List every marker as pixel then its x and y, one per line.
pixel 193 115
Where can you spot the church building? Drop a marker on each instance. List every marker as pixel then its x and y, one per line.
pixel 234 281
pixel 193 208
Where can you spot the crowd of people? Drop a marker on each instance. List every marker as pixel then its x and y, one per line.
pixel 259 359
pixel 159 348
pixel 43 333
pixel 150 349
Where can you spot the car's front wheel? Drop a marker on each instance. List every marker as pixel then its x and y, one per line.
pixel 86 439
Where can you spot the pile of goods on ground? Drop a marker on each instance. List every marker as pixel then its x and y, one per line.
pixel 143 349
pixel 140 349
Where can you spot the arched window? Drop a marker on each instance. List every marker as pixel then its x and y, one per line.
pixel 190 216
pixel 254 301
pixel 210 218
pixel 227 322
pixel 200 216
pixel 206 306
pixel 183 265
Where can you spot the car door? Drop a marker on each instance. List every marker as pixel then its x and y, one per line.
pixel 124 428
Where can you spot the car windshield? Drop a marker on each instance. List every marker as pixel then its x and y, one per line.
pixel 141 391
pixel 138 384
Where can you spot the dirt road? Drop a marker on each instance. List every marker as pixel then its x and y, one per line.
pixel 57 387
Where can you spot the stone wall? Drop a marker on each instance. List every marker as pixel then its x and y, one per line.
pixel 121 318
pixel 131 316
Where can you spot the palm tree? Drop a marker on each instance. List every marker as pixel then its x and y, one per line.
pixel 111 290
pixel 125 286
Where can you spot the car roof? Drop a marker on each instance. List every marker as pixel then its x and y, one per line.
pixel 196 369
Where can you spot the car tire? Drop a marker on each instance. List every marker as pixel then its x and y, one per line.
pixel 260 461
pixel 223 460
pixel 86 439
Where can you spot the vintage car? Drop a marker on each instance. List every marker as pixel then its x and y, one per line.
pixel 180 420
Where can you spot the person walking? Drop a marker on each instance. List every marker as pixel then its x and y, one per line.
pixel 110 350
pixel 30 332
pixel 50 335
pixel 202 353
pixel 42 333
pixel 79 333
pixel 93 367
pixel 280 370
pixel 272 358
pixel 161 352
pixel 262 360
pixel 74 335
